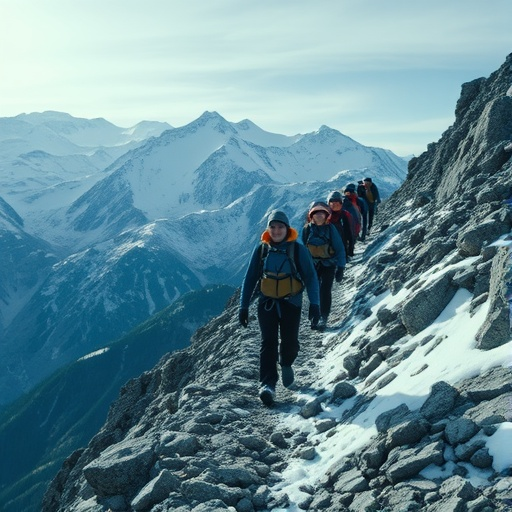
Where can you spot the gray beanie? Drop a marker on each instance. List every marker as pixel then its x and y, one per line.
pixel 278 216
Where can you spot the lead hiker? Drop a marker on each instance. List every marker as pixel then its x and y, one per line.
pixel 373 199
pixel 328 252
pixel 282 267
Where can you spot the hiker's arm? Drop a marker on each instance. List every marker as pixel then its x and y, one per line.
pixel 251 278
pixel 337 244
pixel 310 277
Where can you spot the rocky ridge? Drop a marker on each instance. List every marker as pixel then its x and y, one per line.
pixel 192 435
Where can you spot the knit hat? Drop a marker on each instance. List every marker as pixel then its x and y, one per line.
pixel 368 179
pixel 335 196
pixel 319 206
pixel 278 216
pixel 350 188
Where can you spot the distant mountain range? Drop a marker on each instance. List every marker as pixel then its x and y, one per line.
pixel 101 227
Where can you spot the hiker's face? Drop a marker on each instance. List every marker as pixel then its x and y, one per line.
pixel 335 206
pixel 277 231
pixel 319 218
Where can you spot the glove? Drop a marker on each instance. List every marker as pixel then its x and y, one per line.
pixel 243 317
pixel 339 274
pixel 314 314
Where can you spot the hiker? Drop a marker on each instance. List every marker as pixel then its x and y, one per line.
pixel 279 300
pixel 342 221
pixel 354 211
pixel 361 205
pixel 328 252
pixel 373 199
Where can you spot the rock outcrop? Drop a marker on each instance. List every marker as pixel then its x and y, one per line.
pixel 192 435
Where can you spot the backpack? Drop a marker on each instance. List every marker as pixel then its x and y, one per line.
pixel 279 285
pixel 319 246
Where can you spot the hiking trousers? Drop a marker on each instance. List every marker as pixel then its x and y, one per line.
pixel 277 318
pixel 325 279
pixel 371 215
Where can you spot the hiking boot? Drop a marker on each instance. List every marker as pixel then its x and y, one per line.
pixel 267 395
pixel 287 376
pixel 322 324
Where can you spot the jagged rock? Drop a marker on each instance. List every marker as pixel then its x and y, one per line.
pixel 372 364
pixel 156 490
pixel 440 401
pixel 493 411
pixel 351 481
pixel 392 417
pixel 460 430
pixel 312 408
pixel 465 451
pixel 481 459
pixel 420 310
pixel 392 334
pixel 471 241
pixel 496 329
pixel 198 490
pixel 122 467
pixel 403 464
pixel 342 391
pixel 457 486
pixel 408 432
pixel 180 444
pixel 489 385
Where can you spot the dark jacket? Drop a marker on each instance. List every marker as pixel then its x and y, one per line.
pixel 278 262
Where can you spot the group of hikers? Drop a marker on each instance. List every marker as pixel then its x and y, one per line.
pixel 280 269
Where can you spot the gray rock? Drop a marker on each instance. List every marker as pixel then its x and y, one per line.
pixel 408 432
pixel 351 481
pixel 392 417
pixel 458 486
pixel 460 430
pixel 372 364
pixel 403 464
pixel 122 467
pixel 343 390
pixel 156 490
pixel 198 490
pixel 481 459
pixel 496 328
pixel 255 443
pixel 391 335
pixel 182 444
pixel 465 451
pixel 235 476
pixel 493 411
pixel 311 408
pixel 471 240
pixel 489 385
pixel 420 310
pixel 440 402
pixel 366 500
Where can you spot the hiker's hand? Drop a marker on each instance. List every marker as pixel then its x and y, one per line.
pixel 314 314
pixel 339 274
pixel 243 317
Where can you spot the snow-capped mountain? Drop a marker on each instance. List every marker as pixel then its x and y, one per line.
pixel 49 159
pixel 173 213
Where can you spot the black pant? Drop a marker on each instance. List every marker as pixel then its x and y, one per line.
pixel 371 214
pixel 277 317
pixel 325 279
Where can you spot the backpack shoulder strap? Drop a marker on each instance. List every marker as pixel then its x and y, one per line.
pixel 293 254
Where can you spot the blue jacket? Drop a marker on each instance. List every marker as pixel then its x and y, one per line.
pixel 278 262
pixel 329 234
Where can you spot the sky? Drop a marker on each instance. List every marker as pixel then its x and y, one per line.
pixel 387 74
pixel 430 362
